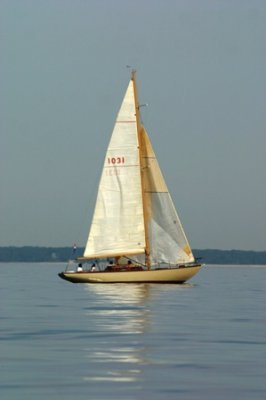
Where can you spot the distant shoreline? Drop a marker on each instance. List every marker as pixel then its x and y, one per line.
pixel 63 254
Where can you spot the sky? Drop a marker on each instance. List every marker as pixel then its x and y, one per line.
pixel 201 69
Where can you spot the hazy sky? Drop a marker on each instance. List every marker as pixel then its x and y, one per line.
pixel 201 68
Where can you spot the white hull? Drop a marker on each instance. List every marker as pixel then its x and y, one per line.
pixel 173 275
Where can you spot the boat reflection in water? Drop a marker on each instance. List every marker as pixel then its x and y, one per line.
pixel 120 323
pixel 120 318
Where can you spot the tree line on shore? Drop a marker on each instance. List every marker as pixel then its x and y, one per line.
pixel 63 254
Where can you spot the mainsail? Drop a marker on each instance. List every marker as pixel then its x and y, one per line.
pixel 118 223
pixel 134 212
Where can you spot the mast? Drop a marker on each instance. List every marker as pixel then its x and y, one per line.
pixel 145 215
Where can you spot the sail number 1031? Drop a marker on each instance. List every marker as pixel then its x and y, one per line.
pixel 116 160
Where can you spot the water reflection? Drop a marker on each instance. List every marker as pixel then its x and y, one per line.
pixel 135 294
pixel 121 319
pixel 121 316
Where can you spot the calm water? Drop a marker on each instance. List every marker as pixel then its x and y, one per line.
pixel 203 340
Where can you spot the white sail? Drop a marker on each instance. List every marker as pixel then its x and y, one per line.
pixel 118 224
pixel 134 215
pixel 168 242
pixel 128 200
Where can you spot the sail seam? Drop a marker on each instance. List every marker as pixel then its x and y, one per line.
pixel 154 191
pixel 121 166
pixel 125 122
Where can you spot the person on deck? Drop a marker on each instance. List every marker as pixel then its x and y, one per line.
pixel 79 268
pixel 110 266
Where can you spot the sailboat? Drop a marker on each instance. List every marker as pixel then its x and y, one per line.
pixel 135 223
